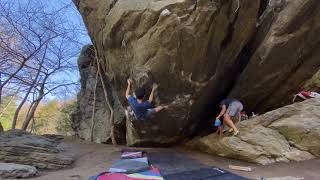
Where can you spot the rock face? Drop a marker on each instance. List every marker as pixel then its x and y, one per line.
pixel 39 151
pixel 10 170
pixel 291 133
pixel 201 51
pixel 287 53
pixel 82 117
pixel 314 83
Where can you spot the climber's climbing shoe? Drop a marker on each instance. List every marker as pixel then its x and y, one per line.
pixel 236 133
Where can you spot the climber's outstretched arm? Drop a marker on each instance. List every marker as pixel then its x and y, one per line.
pixel 128 88
pixel 151 97
pixel 223 110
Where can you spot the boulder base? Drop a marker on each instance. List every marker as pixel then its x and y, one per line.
pixel 42 152
pixel 287 134
pixel 11 170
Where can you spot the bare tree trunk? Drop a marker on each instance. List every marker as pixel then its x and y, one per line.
pixel 112 132
pixel 32 125
pixel 31 114
pixel 30 107
pixel 16 113
pixel 1 128
pixel 94 107
pixel 36 102
pixel 111 120
pixel 34 107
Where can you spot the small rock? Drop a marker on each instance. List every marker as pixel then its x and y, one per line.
pixel 11 170
pixel 297 155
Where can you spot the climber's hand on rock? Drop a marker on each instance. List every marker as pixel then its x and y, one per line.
pixel 129 82
pixel 155 86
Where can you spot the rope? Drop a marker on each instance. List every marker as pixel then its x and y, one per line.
pixel 238 7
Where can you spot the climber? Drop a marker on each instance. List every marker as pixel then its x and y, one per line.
pixel 142 109
pixel 230 108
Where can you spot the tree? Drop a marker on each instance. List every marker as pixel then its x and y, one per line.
pixel 51 117
pixel 46 118
pixel 7 108
pixel 37 47
pixel 63 125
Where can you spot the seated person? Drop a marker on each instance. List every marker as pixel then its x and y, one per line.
pixel 142 109
pixel 230 108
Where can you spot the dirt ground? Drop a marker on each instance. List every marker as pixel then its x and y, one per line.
pixel 94 158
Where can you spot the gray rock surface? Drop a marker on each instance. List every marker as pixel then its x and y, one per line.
pixel 156 41
pixel 42 152
pixel 82 117
pixel 314 83
pixel 286 53
pixel 290 133
pixel 11 170
pixel 201 51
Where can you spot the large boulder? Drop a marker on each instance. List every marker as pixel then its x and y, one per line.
pixel 11 170
pixel 291 133
pixel 97 128
pixel 180 44
pixel 42 152
pixel 201 51
pixel 285 54
pixel 314 83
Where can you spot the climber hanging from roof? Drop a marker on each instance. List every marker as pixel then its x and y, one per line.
pixel 230 108
pixel 142 109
